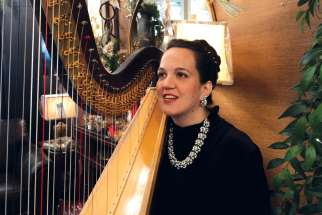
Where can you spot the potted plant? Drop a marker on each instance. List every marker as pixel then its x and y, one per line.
pixel 298 185
pixel 149 25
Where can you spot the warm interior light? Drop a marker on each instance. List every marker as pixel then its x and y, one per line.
pixel 217 35
pixel 57 106
pixel 133 205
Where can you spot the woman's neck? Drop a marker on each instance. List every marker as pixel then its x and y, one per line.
pixel 190 119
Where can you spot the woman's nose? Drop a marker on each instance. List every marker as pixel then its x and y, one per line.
pixel 168 82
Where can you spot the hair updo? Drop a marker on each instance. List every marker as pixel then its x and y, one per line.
pixel 207 59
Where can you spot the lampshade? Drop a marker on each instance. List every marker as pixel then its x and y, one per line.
pixel 217 35
pixel 57 106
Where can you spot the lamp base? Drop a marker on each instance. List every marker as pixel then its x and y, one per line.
pixel 60 129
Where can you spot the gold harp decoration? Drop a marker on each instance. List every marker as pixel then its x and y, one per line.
pixel 80 70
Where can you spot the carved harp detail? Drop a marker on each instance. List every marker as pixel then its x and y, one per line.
pixel 106 94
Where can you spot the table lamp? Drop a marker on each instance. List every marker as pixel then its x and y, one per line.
pixel 58 107
pixel 217 35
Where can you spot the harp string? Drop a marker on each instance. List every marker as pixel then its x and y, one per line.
pixel 30 104
pixel 85 133
pixel 77 146
pixel 71 121
pixel 43 118
pixel 49 130
pixel 23 104
pixel 89 160
pixel 57 72
pixel 8 107
pixel 69 152
pixel 2 43
pixel 37 111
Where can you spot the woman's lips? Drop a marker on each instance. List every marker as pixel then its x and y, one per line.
pixel 169 98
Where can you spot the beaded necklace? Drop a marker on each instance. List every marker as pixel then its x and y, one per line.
pixel 195 149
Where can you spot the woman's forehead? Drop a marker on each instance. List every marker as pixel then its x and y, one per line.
pixel 178 57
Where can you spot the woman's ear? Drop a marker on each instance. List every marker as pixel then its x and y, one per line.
pixel 207 88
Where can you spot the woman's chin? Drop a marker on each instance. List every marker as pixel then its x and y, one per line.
pixel 169 111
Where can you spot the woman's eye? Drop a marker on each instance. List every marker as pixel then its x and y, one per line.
pixel 161 75
pixel 182 75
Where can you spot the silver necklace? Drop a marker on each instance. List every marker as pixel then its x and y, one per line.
pixel 202 135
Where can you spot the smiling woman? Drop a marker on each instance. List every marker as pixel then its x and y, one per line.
pixel 179 87
pixel 207 164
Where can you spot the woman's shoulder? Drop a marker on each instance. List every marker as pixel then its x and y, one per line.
pixel 238 139
pixel 228 136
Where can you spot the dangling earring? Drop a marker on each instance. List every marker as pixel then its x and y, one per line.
pixel 203 101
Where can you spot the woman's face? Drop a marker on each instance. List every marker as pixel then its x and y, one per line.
pixel 178 87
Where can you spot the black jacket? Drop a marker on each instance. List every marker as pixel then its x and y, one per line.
pixel 227 177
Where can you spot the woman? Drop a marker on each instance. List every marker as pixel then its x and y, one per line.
pixel 207 166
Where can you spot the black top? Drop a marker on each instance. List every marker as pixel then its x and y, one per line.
pixel 227 177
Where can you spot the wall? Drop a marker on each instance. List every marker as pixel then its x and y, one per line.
pixel 267 46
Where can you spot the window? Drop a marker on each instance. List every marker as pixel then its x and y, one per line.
pixel 186 10
pixel 199 10
pixel 178 10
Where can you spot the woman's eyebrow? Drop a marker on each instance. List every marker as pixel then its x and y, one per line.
pixel 161 69
pixel 181 68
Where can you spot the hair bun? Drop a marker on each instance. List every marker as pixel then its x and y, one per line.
pixel 209 51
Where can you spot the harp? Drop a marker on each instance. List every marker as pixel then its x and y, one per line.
pixel 47 52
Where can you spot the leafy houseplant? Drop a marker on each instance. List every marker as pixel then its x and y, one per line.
pixel 149 25
pixel 109 55
pixel 298 185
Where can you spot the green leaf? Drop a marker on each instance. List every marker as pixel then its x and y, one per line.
pixel 275 163
pixel 317 144
pixel 318 172
pixel 277 211
pixel 311 55
pixel 320 75
pixel 317 181
pixel 293 152
pixel 318 112
pixel 283 177
pixel 307 19
pixel 308 194
pixel 297 166
pixel 315 121
pixel 317 188
pixel 279 145
pixel 301 24
pixel 288 195
pixel 299 89
pixel 294 110
pixel 301 2
pixel 310 209
pixel 310 157
pixel 290 208
pixel 319 32
pixel 299 15
pixel 308 76
pixel 289 128
pixel 311 7
pixel 299 131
